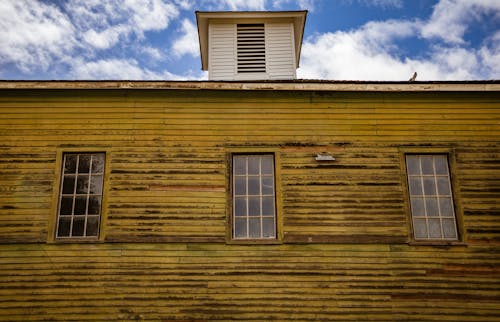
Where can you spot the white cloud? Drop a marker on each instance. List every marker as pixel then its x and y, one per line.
pixel 33 34
pixel 450 18
pixel 234 5
pixel 301 4
pixel 383 3
pixel 371 52
pixel 123 69
pixel 188 42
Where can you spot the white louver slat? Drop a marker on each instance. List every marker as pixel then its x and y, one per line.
pixel 251 48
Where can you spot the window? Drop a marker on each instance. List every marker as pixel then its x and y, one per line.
pixel 254 197
pixel 251 48
pixel 431 199
pixel 80 195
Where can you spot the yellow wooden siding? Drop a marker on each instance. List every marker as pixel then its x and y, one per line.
pixel 345 226
pixel 206 282
pixel 168 170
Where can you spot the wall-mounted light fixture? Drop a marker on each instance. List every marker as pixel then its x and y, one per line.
pixel 324 156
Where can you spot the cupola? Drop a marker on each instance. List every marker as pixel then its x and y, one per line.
pixel 252 45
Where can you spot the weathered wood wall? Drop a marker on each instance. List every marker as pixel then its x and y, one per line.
pixel 168 182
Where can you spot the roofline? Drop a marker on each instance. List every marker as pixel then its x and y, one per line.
pixel 299 19
pixel 286 85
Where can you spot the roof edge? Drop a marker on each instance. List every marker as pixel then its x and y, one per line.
pixel 287 85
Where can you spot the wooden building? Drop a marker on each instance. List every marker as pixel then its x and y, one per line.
pixel 249 200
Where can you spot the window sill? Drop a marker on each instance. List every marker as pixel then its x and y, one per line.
pixel 76 241
pixel 254 242
pixel 437 243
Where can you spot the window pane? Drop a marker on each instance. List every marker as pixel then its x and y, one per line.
pixel 254 227
pixel 240 166
pixel 413 164
pixel 267 186
pixel 420 228
pixel 267 164
pixel 84 163
pixel 431 206
pixel 429 186
pixel 240 186
pixel 92 226
pixel 446 207
pixel 82 184
pixel 449 228
pixel 96 185
pixel 253 206
pixel 240 228
pixel 94 205
pixel 427 167
pixel 415 186
pixel 268 227
pixel 253 185
pixel 80 205
pixel 69 184
pixel 66 206
pixel 443 186
pixel 434 228
pixel 268 206
pixel 240 206
pixel 417 206
pixel 97 163
pixel 70 163
pixel 78 225
pixel 253 164
pixel 64 226
pixel 441 164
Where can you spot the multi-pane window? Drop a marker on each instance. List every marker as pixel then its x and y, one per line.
pixel 431 198
pixel 254 209
pixel 80 197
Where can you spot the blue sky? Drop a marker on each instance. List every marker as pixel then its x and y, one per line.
pixel 157 39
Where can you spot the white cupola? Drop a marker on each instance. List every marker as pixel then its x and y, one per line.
pixel 250 45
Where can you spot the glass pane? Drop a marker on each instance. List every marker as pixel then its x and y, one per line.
pixel 240 206
pixel 96 185
pixel 431 206
pixel 254 185
pixel 446 207
pixel 420 228
pixel 80 205
pixel 64 226
pixel 268 227
pixel 415 186
pixel 92 226
pixel 443 186
pixel 427 167
pixel 82 184
pixel 78 225
pixel 240 186
pixel 70 163
pixel 239 163
pixel 254 227
pixel 84 163
pixel 267 186
pixel 268 206
pixel 449 228
pixel 97 163
pixel 267 164
pixel 412 164
pixel 240 228
pixel 417 206
pixel 66 206
pixel 441 164
pixel 69 184
pixel 253 164
pixel 94 205
pixel 253 206
pixel 434 228
pixel 429 186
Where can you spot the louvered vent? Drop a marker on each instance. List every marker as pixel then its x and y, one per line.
pixel 251 48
